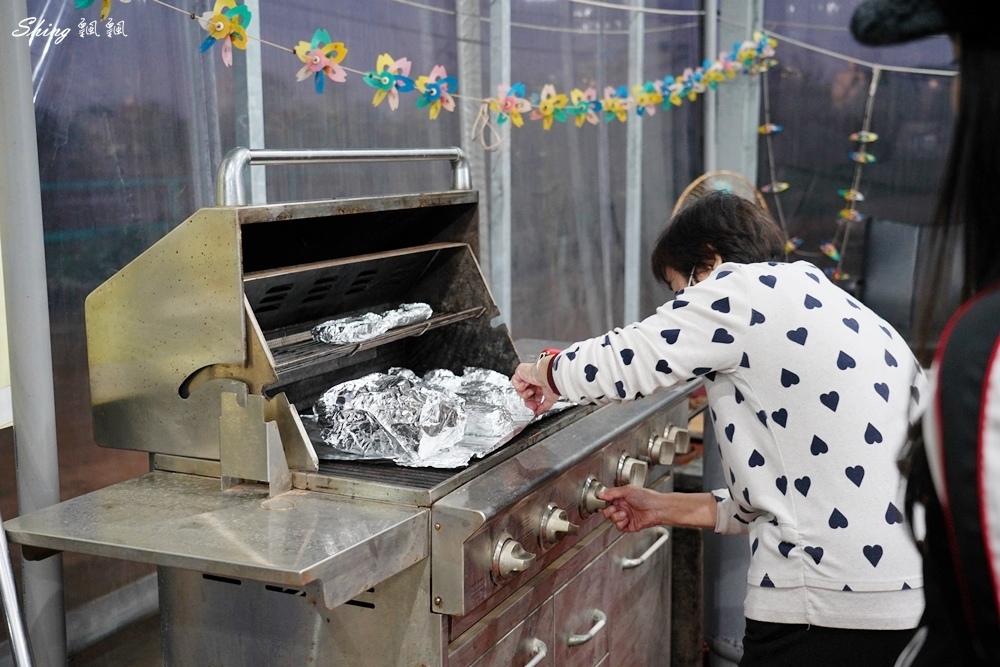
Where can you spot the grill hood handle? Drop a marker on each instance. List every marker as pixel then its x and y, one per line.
pixel 231 191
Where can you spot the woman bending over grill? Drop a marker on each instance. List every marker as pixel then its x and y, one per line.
pixel 811 395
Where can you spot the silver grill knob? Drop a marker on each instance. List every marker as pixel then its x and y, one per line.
pixel 679 437
pixel 556 525
pixel 590 503
pixel 631 471
pixel 660 451
pixel 509 559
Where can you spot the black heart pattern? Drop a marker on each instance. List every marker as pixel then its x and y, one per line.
pixel 785 547
pixel 802 485
pixel 627 356
pixel 893 515
pixel 607 341
pixel 770 281
pixel 890 360
pixel 745 361
pixel 813 276
pixel 872 435
pixel 855 474
pixel 701 370
pixel 873 553
pixel 782 484
pixel 722 305
pixel 739 397
pixel 837 519
pixel 818 447
pixel 620 388
pixel 788 378
pixel 730 431
pixel 670 335
pixel 678 303
pixel 798 335
pixel 851 324
pixel 882 389
pixel 780 417
pixel 887 332
pixel 762 416
pixel 914 394
pixel 845 361
pixel 753 547
pixel 663 367
pixel 590 371
pixel 722 274
pixel 831 400
pixel 756 460
pixel 853 305
pixel 815 552
pixel 812 302
pixel 756 317
pixel 746 496
pixel 766 582
pixel 722 336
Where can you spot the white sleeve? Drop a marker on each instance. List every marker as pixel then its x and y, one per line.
pixel 701 331
pixel 731 518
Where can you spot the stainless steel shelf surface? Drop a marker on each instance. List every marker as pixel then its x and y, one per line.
pixel 185 521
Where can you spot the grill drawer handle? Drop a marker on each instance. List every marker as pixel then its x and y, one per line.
pixel 629 563
pixel 539 650
pixel 600 619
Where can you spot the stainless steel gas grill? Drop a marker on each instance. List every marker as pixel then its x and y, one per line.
pixel 200 354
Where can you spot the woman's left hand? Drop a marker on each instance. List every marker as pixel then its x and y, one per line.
pixel 534 391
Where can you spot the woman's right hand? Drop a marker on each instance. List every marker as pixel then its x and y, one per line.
pixel 633 508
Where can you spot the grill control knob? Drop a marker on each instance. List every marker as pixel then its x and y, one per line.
pixel 631 471
pixel 679 437
pixel 660 451
pixel 509 559
pixel 556 525
pixel 590 503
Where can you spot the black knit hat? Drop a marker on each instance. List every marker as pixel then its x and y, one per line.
pixel 882 22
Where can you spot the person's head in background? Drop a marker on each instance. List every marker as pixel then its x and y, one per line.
pixel 965 240
pixel 717 227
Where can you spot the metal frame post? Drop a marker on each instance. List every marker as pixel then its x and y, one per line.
pixel 633 169
pixel 500 177
pixel 32 388
pixel 710 98
pixel 249 103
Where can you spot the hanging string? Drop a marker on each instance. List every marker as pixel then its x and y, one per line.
pixel 848 222
pixel 643 10
pixel 482 124
pixel 775 191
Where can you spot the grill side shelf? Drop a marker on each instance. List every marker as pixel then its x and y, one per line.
pixel 299 351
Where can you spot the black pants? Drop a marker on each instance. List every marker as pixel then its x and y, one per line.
pixel 794 645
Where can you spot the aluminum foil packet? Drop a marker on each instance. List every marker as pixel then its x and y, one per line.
pixel 383 416
pixel 441 420
pixel 359 328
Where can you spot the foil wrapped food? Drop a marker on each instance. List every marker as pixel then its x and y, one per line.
pixel 359 328
pixel 441 420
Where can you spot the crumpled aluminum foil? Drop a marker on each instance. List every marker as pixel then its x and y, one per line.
pixel 359 328
pixel 389 416
pixel 441 420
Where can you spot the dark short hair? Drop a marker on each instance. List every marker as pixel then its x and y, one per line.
pixel 717 223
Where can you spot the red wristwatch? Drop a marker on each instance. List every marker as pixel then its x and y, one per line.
pixel 549 352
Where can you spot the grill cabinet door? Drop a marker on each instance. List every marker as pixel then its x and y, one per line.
pixel 576 605
pixel 639 602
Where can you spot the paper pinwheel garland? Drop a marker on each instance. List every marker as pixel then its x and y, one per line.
pixel 226 23
pixel 105 6
pixel 322 58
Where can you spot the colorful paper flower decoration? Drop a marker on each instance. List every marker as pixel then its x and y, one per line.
pixel 830 251
pixel 769 128
pixel 675 90
pixel 851 195
pixel 510 103
pixel 792 244
pixel 850 215
pixel 861 157
pixel 226 23
pixel 435 91
pixel 615 104
pixel 647 96
pixel 389 78
pixel 322 59
pixel 775 188
pixel 836 274
pixel 864 137
pixel 551 107
pixel 584 106
pixel 105 6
